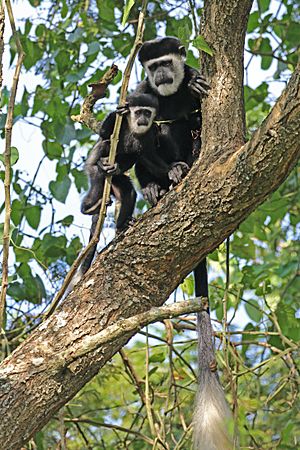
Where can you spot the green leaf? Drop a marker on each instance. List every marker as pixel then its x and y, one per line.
pixel 93 47
pixel 76 35
pixel 127 9
pixel 201 44
pixel 184 33
pixel 191 60
pixel 66 134
pixel 17 209
pixel 67 221
pixel 60 189
pixel 33 215
pixel 253 21
pixel 264 5
pixel 188 285
pixel 158 357
pixel 52 149
pixel 76 75
pixel 17 291
pixel 73 250
pixel 267 58
pixel 253 311
pixel 63 61
pixel 81 181
pixel 293 34
pixel 40 30
pixel 14 156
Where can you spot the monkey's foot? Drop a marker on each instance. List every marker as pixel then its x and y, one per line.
pixel 90 207
pixel 125 225
pixel 199 86
pixel 152 193
pixel 178 171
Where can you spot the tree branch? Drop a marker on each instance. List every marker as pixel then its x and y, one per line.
pixel 86 116
pixel 132 324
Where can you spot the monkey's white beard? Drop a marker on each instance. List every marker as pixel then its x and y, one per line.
pixel 177 73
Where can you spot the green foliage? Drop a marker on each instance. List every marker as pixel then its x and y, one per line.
pixel 128 6
pixel 201 44
pixel 14 156
pixel 68 46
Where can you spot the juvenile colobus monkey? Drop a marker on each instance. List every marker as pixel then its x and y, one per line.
pixel 179 90
pixel 138 141
pixel 137 135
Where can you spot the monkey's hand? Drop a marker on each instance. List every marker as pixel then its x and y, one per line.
pixel 178 171
pixel 198 86
pixel 107 168
pixel 152 193
pixel 123 110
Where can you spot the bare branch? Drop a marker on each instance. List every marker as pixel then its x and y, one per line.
pixel 86 116
pixel 130 325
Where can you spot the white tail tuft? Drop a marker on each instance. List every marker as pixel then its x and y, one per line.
pixel 212 415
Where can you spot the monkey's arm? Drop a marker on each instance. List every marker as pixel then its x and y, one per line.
pixel 151 190
pixel 107 126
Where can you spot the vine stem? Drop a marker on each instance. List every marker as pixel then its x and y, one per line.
pixel 112 156
pixel 7 156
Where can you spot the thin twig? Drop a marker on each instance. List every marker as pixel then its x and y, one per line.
pixel 7 164
pixel 2 24
pixel 111 426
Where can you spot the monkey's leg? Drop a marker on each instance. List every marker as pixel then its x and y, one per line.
pixel 92 201
pixel 124 192
pixel 86 263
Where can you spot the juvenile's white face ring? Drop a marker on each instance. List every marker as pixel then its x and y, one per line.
pixel 174 70
pixel 133 118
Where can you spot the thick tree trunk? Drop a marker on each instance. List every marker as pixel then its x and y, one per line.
pixel 141 268
pixel 224 28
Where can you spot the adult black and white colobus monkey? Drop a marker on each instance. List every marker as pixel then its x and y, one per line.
pixel 179 90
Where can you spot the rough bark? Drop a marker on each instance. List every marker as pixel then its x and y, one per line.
pixel 224 27
pixel 141 268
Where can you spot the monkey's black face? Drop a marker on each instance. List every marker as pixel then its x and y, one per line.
pixel 165 73
pixel 140 119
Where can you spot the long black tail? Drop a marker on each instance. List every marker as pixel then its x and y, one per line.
pixel 211 413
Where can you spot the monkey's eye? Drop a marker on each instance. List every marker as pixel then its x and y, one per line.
pixel 167 63
pixel 147 113
pixel 152 67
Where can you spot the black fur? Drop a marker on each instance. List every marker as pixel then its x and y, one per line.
pixel 130 148
pixel 160 47
pixel 179 131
